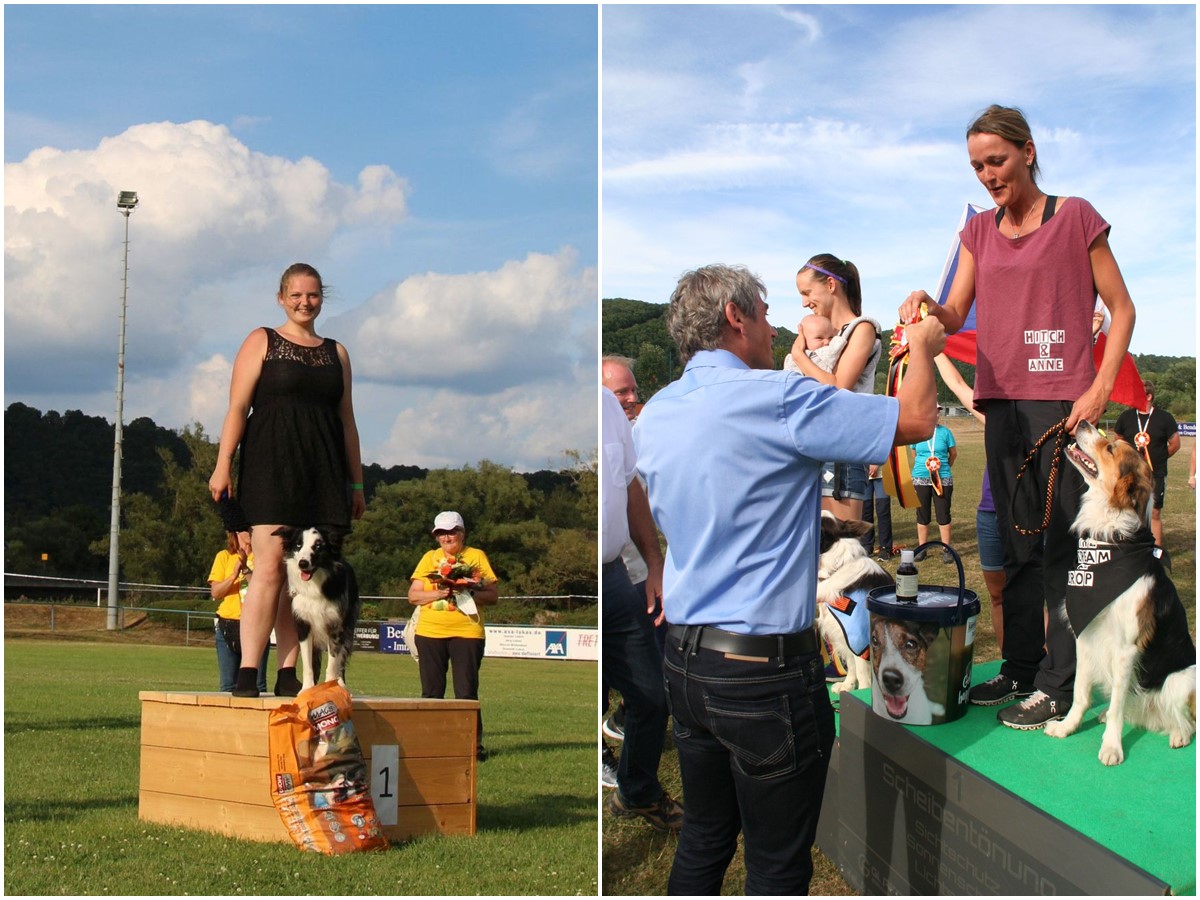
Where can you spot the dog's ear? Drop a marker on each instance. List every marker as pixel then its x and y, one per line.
pixel 335 537
pixel 929 632
pixel 286 532
pixel 855 528
pixel 1135 485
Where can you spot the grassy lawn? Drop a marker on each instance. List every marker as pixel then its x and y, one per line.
pixel 637 860
pixel 71 741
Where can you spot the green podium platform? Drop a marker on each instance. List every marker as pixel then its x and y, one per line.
pixel 971 807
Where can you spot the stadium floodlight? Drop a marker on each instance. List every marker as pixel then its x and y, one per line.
pixel 126 201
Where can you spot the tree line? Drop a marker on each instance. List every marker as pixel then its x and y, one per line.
pixel 638 330
pixel 538 529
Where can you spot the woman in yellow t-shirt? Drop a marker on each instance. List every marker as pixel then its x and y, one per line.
pixel 227 580
pixel 447 633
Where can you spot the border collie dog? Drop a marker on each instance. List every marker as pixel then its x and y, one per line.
pixel 1132 636
pixel 325 600
pixel 845 573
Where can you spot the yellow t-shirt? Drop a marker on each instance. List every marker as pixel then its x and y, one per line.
pixel 446 623
pixel 223 566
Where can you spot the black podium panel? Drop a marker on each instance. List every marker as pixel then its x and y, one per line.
pixel 902 817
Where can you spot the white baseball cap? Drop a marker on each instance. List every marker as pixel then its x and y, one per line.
pixel 448 521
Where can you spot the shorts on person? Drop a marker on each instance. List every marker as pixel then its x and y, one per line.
pixel 844 481
pixel 991 545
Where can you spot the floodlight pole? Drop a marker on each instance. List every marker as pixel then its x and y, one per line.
pixel 126 201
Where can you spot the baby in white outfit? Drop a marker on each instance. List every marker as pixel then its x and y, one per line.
pixel 822 344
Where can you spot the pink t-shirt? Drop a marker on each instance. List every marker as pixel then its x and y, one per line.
pixel 1034 297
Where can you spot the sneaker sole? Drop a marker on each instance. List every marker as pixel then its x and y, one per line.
pixel 996 701
pixel 1037 727
pixel 612 732
pixel 999 701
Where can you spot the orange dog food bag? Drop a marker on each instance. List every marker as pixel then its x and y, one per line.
pixel 319 779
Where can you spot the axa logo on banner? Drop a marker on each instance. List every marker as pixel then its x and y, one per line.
pixel 556 643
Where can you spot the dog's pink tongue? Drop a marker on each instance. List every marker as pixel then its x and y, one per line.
pixel 305 576
pixel 896 706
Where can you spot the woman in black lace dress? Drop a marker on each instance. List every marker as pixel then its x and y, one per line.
pixel 291 413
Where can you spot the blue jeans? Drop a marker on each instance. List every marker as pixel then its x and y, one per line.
pixel 754 741
pixel 632 665
pixel 228 659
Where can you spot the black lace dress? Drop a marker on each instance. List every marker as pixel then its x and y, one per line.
pixel 293 465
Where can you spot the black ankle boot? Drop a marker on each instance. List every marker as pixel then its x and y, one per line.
pixel 247 683
pixel 286 683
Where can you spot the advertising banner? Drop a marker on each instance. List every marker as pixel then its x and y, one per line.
pixel 511 641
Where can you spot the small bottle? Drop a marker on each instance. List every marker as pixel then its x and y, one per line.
pixel 906 578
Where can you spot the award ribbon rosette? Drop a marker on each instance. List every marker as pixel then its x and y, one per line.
pixel 460 578
pixel 933 464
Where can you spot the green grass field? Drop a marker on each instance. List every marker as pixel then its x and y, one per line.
pixel 637 860
pixel 71 741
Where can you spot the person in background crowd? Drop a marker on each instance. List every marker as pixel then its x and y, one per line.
pixel 1155 433
pixel 830 287
pixel 616 374
pixel 446 633
pixel 987 532
pixel 877 512
pixel 933 482
pixel 1032 268
pixel 753 723
pixel 631 661
pixel 227 583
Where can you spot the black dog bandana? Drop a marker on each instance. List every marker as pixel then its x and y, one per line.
pixel 1103 572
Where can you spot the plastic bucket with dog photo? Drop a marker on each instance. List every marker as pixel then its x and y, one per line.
pixel 922 650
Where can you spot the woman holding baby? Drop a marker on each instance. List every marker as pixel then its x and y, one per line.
pixel 830 287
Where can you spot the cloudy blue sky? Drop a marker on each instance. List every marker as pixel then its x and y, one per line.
pixel 438 164
pixel 763 135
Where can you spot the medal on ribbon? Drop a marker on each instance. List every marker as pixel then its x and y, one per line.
pixel 1141 440
pixel 933 464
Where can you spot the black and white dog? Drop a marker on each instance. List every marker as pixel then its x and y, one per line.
pixel 845 574
pixel 325 600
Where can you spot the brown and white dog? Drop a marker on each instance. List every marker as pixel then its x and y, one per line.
pixel 845 573
pixel 1132 636
pixel 899 652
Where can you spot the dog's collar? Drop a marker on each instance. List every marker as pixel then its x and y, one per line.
pixel 1103 572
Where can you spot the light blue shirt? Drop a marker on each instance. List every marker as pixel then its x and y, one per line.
pixel 731 457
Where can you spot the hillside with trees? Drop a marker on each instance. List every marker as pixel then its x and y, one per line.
pixel 538 529
pixel 638 330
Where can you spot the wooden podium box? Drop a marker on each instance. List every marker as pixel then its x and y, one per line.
pixel 204 763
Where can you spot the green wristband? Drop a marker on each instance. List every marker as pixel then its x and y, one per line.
pixel 356 487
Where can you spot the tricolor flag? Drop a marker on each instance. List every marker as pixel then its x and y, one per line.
pixel 1128 389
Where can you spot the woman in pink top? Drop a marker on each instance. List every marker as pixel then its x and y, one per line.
pixel 1033 268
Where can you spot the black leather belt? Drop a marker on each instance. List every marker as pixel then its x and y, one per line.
pixel 770 646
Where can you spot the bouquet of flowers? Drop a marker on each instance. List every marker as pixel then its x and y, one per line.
pixel 460 578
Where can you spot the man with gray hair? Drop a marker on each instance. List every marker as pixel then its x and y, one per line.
pixel 732 455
